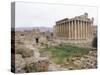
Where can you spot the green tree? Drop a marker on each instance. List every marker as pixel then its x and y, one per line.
pixel 94 42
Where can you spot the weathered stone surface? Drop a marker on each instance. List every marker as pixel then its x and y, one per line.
pixel 36 65
pixel 86 61
pixel 19 63
pixel 33 61
pixel 42 65
pixel 72 36
pixel 54 67
pixel 29 60
pixel 25 52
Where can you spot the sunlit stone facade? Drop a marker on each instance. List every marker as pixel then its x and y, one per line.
pixel 77 28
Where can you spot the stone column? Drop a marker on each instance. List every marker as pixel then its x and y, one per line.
pixel 75 28
pixel 81 29
pixel 72 30
pixel 78 29
pixel 58 30
pixel 90 30
pixel 86 29
pixel 61 29
pixel 69 28
pixel 54 29
pixel 64 29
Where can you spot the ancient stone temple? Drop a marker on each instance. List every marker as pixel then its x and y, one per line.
pixel 77 28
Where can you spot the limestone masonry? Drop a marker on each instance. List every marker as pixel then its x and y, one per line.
pixel 77 28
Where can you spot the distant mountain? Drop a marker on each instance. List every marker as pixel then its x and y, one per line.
pixel 42 29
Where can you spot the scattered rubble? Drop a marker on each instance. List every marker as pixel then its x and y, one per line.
pixel 29 59
pixel 19 63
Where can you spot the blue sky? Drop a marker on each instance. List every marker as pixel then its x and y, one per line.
pixel 45 15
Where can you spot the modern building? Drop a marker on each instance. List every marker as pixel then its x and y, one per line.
pixel 77 28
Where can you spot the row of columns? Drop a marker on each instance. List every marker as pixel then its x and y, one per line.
pixel 75 29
